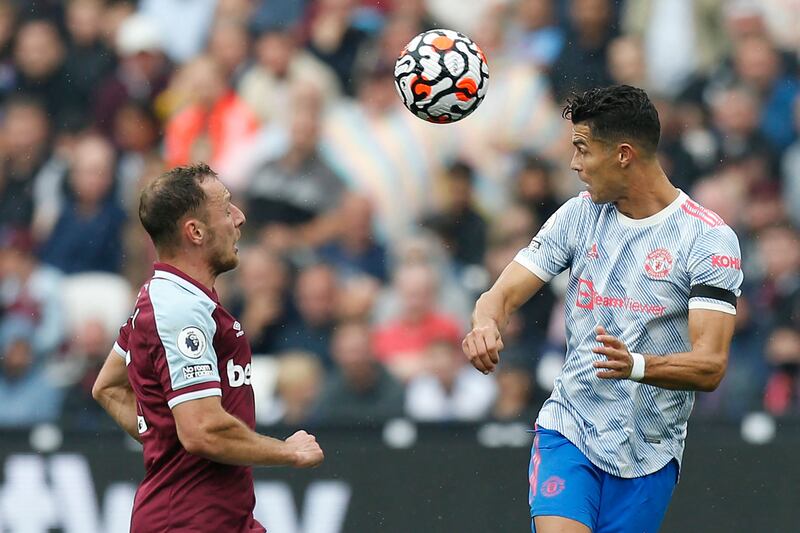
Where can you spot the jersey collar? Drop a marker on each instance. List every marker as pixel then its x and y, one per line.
pixel 654 219
pixel 167 271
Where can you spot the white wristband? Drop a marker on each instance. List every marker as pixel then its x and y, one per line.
pixel 637 372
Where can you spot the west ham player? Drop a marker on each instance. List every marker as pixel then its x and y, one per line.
pixel 650 310
pixel 178 377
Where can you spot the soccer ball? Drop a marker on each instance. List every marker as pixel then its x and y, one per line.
pixel 441 75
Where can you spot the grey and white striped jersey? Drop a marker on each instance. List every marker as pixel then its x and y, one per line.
pixel 638 278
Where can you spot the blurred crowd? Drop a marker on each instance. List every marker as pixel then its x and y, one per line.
pixel 370 233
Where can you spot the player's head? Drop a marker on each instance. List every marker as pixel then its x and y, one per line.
pixel 189 211
pixel 613 129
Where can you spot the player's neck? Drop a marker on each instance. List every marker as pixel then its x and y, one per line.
pixel 195 268
pixel 648 193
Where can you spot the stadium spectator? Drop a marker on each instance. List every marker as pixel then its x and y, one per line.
pixel 316 299
pixel 31 291
pixel 534 188
pixel 195 20
pixel 39 54
pixel 87 235
pixel 88 60
pixel 229 46
pixel 402 342
pixel 8 28
pixel 448 389
pixel 360 390
pixel 355 250
pixel 77 374
pixel 424 249
pixel 267 86
pixel 782 393
pixel 680 39
pixel 213 119
pixel 291 199
pixel 417 12
pixel 27 394
pixel 262 302
pixel 582 64
pixel 459 224
pixel 735 119
pixel 402 155
pixel 537 38
pixel 298 385
pixel 334 39
pixel 141 74
pixel 626 62
pixel 779 293
pixel 517 399
pixel 26 166
pixel 790 169
pixel 759 66
pixel 136 136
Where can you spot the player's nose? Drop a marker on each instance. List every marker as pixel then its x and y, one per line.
pixel 574 164
pixel 239 217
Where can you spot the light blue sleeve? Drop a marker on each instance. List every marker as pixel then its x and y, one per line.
pixel 715 261
pixel 186 328
pixel 552 249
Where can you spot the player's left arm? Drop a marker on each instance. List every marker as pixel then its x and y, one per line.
pixel 113 392
pixel 714 268
pixel 701 369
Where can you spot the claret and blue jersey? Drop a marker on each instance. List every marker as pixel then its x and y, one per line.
pixel 180 345
pixel 638 278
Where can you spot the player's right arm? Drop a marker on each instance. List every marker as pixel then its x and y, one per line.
pixel 187 368
pixel 206 429
pixel 512 289
pixel 113 392
pixel 549 253
pixel 112 389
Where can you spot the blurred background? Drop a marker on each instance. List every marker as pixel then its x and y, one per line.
pixel 370 233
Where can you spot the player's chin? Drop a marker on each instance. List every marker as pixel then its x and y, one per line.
pixel 596 197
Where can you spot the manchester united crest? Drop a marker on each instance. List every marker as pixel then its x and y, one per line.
pixel 658 264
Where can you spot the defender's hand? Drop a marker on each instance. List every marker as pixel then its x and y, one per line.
pixel 482 346
pixel 305 450
pixel 618 363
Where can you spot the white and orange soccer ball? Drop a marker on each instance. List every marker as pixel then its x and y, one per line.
pixel 442 76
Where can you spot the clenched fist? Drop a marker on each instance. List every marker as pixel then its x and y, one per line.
pixel 482 346
pixel 305 449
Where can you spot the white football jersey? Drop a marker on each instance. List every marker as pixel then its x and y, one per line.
pixel 638 279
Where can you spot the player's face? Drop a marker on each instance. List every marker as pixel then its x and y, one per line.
pixel 596 165
pixel 223 222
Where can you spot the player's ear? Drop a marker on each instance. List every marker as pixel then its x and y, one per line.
pixel 194 230
pixel 625 154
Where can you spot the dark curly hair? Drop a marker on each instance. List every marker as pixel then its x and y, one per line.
pixel 170 197
pixel 616 113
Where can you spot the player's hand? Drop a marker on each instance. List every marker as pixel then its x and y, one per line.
pixel 618 363
pixel 306 451
pixel 482 346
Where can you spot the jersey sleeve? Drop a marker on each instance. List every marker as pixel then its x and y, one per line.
pixel 186 329
pixel 121 344
pixel 552 249
pixel 715 271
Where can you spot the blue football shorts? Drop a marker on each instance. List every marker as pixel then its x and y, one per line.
pixel 563 482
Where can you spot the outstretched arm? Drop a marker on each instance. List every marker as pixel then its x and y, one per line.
pixel 514 287
pixel 206 429
pixel 113 392
pixel 701 369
